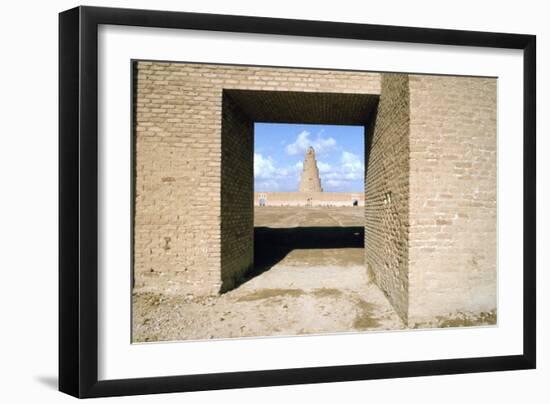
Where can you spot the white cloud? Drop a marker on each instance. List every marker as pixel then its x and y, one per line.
pixel 334 183
pixel 351 162
pixel 350 170
pixel 300 145
pixel 266 168
pixel 340 177
pixel 323 167
pixel 263 167
pixel 352 166
pixel 324 145
pixel 267 185
pixel 303 141
pixel 270 177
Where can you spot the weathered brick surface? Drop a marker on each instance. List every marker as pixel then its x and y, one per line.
pixel 452 249
pixel 310 181
pixel 180 209
pixel 237 184
pixel 387 192
pixel 430 197
pixel 177 163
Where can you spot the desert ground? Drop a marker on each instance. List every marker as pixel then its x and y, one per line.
pixel 309 278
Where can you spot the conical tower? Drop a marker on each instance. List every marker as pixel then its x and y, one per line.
pixel 310 182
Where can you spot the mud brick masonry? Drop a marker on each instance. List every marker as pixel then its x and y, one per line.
pixel 430 194
pixel 305 199
pixel 310 180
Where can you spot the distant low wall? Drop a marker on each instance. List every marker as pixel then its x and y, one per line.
pixel 309 198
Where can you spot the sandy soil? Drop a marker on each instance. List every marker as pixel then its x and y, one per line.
pixel 283 301
pixel 309 279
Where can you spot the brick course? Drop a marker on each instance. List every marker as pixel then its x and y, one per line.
pixel 430 197
pixel 453 226
pixel 237 184
pixel 310 198
pixel 178 244
pixel 387 192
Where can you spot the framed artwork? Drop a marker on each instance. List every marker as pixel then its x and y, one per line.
pixel 249 201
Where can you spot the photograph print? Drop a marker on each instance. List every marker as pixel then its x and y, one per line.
pixel 281 201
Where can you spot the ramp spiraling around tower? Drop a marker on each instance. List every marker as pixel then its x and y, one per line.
pixel 310 182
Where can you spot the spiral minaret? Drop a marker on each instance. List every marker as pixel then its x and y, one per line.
pixel 310 182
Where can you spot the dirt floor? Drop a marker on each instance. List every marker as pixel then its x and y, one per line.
pixel 309 279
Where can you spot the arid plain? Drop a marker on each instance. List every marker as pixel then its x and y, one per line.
pixel 309 278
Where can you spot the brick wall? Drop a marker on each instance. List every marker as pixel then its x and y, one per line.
pixel 310 198
pixel 387 192
pixel 430 198
pixel 177 185
pixel 237 184
pixel 180 209
pixel 452 196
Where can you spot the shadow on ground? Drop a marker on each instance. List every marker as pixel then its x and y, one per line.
pixel 48 381
pixel 272 245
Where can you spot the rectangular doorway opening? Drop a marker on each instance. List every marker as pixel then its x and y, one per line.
pixel 309 215
pixel 318 120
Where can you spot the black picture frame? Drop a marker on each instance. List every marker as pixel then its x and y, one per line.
pixel 78 201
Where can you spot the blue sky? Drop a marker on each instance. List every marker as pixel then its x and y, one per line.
pixel 279 151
